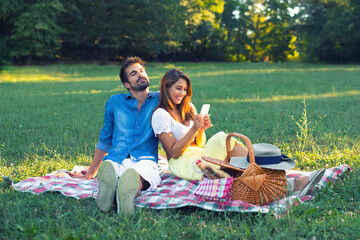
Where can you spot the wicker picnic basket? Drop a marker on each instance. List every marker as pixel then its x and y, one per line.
pixel 254 185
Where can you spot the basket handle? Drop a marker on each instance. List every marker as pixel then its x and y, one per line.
pixel 248 146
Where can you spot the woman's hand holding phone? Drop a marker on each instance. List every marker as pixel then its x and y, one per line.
pixel 206 117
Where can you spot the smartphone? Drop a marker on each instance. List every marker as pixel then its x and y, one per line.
pixel 205 109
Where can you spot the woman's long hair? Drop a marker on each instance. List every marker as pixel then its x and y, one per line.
pixel 170 78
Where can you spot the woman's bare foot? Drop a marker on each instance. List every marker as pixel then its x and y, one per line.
pixel 305 185
pixel 300 183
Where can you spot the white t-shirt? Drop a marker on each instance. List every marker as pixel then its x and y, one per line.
pixel 162 121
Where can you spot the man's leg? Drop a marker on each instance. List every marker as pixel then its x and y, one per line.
pixel 129 187
pixel 107 179
pixel 143 175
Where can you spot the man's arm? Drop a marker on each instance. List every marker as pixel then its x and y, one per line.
pixel 97 159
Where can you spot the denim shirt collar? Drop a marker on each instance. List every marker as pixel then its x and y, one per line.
pixel 128 95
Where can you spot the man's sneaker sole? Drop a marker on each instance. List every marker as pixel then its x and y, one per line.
pixel 127 190
pixel 107 181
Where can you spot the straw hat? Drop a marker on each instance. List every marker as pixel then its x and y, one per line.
pixel 266 156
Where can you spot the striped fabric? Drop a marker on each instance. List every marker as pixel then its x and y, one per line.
pixel 214 189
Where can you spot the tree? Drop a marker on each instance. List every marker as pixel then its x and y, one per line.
pixel 172 30
pixel 257 30
pixel 36 31
pixel 113 29
pixel 159 30
pixel 169 29
pixel 277 38
pixel 94 28
pixel 328 30
pixel 202 29
pixel 8 11
pixel 236 22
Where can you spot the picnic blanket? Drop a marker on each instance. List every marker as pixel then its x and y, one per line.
pixel 173 192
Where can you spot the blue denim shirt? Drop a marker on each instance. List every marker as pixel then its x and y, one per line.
pixel 127 131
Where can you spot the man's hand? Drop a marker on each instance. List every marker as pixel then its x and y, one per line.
pixel 91 173
pixel 80 175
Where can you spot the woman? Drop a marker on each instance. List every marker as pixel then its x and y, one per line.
pixel 181 130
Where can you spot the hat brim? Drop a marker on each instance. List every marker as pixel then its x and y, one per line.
pixel 285 163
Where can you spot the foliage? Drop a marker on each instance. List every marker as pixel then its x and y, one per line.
pixel 180 30
pixel 236 27
pixel 114 29
pixel 36 31
pixel 277 38
pixel 329 30
pixel 201 30
pixel 8 11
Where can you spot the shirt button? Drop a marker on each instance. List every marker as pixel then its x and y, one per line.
pixel 137 127
pixel 136 140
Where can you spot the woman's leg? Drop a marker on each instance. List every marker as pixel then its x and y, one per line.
pixel 305 185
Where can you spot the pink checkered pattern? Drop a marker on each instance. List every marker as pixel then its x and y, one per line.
pixel 68 186
pixel 174 192
pixel 215 189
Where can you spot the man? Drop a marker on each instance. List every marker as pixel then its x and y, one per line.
pixel 129 142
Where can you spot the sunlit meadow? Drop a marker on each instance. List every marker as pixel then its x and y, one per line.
pixel 51 116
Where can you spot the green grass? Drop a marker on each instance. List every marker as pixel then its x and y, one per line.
pixel 51 116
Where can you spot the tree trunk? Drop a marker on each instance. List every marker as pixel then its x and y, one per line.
pixel 203 54
pixel 255 39
pixel 105 56
pixel 29 58
pixel 174 56
pixel 105 51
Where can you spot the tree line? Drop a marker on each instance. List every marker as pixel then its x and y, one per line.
pixel 180 30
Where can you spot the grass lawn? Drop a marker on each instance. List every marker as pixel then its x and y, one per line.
pixel 51 116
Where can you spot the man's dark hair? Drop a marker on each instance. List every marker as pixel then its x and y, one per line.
pixel 129 61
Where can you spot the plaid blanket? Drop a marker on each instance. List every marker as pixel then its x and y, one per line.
pixel 173 192
pixel 214 189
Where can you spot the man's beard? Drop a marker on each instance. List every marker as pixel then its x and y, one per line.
pixel 140 86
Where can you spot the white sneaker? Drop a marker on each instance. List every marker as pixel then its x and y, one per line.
pixel 107 180
pixel 314 178
pixel 127 189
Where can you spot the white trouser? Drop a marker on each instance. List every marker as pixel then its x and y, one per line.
pixel 147 169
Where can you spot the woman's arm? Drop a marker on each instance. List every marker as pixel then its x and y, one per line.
pixel 174 148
